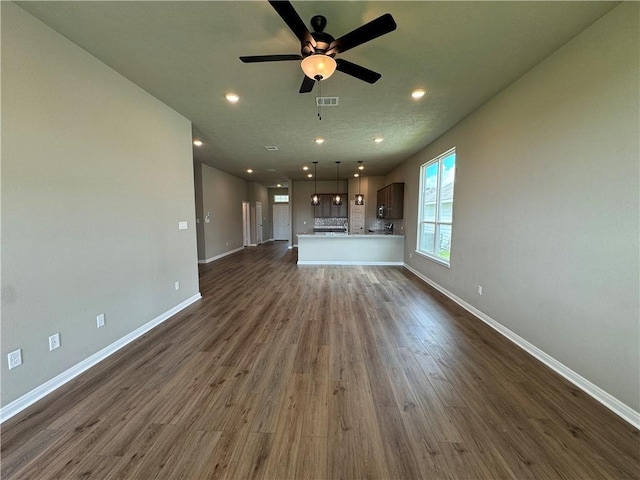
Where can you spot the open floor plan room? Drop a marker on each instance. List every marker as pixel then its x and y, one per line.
pixel 298 372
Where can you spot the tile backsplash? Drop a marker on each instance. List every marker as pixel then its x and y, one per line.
pixel 330 222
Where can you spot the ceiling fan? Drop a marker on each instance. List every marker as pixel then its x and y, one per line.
pixel 318 49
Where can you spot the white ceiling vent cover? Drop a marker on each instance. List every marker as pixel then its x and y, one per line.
pixel 271 148
pixel 327 101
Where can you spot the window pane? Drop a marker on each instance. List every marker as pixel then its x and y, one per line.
pixel 447 177
pixel 444 241
pixel 446 211
pixel 427 237
pixel 429 212
pixel 429 193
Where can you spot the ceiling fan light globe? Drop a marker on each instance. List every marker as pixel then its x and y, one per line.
pixel 318 65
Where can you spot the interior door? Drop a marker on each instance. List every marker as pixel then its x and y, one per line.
pixel 246 225
pixel 356 218
pixel 258 223
pixel 281 221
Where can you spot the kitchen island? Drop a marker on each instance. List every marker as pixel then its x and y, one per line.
pixel 345 249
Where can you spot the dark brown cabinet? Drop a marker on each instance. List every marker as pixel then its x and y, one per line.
pixel 327 209
pixel 391 201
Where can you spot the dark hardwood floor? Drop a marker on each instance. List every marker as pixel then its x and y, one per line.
pixel 287 372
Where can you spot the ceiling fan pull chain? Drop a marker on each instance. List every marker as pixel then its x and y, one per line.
pixel 320 96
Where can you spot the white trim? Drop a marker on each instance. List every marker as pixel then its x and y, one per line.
pixel 56 382
pixel 616 406
pixel 209 260
pixel 340 262
pixel 252 245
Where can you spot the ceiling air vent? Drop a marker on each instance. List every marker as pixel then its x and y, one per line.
pixel 271 148
pixel 327 101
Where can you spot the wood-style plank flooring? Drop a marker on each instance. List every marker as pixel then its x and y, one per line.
pixel 287 372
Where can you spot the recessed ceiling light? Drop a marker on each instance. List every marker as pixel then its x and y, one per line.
pixel 310 175
pixel 197 143
pixel 249 170
pixel 419 93
pixel 378 139
pixel 319 140
pixel 232 97
pixel 305 168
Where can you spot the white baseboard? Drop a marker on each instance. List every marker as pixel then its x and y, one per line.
pixel 616 406
pixel 340 262
pixel 209 260
pixel 252 245
pixel 46 388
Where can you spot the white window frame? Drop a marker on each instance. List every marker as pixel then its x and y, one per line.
pixel 437 223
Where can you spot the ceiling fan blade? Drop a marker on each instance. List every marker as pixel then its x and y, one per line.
pixel 307 84
pixel 293 21
pixel 357 71
pixel 269 58
pixel 374 29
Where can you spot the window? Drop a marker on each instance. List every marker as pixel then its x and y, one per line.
pixel 435 218
pixel 281 199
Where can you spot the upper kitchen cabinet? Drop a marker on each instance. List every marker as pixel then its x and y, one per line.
pixel 391 201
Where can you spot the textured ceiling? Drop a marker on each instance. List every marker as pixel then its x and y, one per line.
pixel 186 54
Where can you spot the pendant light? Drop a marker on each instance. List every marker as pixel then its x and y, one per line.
pixel 337 200
pixel 315 198
pixel 359 196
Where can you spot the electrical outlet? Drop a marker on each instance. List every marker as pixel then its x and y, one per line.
pixel 54 341
pixel 177 285
pixel 100 320
pixel 15 359
pixel 479 289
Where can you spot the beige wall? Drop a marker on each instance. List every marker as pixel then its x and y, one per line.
pixel 221 195
pixel 96 175
pixel 546 206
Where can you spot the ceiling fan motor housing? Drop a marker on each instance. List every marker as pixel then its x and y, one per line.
pixel 323 39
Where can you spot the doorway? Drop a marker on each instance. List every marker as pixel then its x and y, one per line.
pixel 281 221
pixel 246 225
pixel 258 223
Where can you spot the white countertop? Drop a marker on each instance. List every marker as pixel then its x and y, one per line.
pixel 360 236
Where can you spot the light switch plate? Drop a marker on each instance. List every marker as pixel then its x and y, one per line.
pixel 182 225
